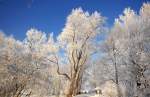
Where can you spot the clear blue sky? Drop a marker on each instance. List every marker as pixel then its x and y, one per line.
pixel 17 16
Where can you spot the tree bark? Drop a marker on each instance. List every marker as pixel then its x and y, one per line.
pixel 75 84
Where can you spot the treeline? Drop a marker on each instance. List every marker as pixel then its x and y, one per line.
pixel 85 55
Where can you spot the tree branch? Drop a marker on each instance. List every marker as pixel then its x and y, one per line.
pixel 58 70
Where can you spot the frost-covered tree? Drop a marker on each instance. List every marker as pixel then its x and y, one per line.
pixel 77 44
pixel 41 48
pixel 12 78
pixel 130 36
pixel 26 62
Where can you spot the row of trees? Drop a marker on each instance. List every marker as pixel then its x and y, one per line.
pixel 78 56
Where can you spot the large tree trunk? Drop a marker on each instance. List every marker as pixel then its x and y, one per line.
pixel 75 84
